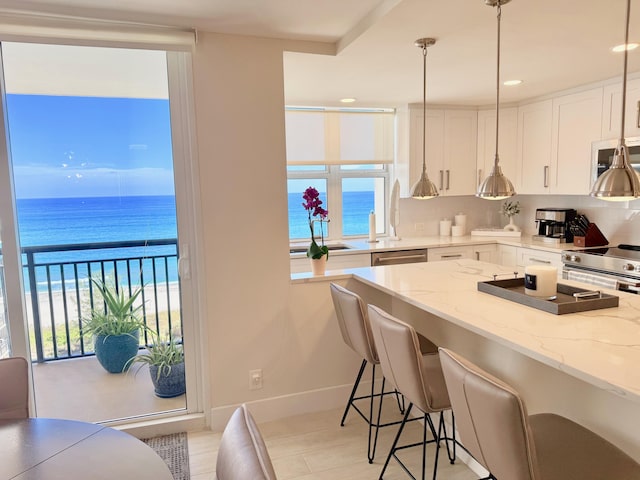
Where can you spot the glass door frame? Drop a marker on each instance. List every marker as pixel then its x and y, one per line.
pixel 189 232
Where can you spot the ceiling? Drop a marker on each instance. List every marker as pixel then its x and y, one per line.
pixel 551 45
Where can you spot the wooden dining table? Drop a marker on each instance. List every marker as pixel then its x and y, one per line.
pixel 51 449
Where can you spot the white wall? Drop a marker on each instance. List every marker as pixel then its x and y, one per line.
pixel 619 222
pixel 256 319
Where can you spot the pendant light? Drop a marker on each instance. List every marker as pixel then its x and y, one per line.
pixel 424 188
pixel 619 182
pixel 496 186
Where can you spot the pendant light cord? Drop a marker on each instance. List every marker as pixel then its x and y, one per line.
pixel 498 85
pixel 624 74
pixel 424 108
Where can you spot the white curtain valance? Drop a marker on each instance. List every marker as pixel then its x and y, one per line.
pixel 16 27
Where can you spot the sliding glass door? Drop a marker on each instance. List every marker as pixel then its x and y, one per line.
pixel 95 204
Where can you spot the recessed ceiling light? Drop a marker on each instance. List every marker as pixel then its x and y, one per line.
pixel 511 83
pixel 347 100
pixel 623 47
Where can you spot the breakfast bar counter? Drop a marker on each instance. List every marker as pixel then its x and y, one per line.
pixel 601 347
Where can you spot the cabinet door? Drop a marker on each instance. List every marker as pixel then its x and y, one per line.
pixel 485 253
pixel 507 143
pixel 438 254
pixel 460 139
pixel 434 147
pixel 576 123
pixel 507 255
pixel 612 105
pixel 534 147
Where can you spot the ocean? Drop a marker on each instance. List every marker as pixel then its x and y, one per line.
pixel 89 220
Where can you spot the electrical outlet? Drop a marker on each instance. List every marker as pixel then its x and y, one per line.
pixel 419 227
pixel 255 379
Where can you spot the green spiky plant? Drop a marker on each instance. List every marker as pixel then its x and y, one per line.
pixel 162 354
pixel 117 316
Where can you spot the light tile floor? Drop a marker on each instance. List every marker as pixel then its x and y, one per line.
pixel 315 447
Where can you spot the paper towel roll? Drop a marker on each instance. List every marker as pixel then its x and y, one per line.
pixel 372 227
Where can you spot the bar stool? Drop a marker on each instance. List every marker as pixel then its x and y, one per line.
pixel 356 333
pixel 14 399
pixel 417 377
pixel 495 428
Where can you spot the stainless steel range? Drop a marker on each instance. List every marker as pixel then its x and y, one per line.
pixel 611 267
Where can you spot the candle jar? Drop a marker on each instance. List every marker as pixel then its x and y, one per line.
pixel 541 281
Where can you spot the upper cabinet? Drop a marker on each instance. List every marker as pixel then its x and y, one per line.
pixel 451 139
pixel 611 111
pixel 507 143
pixel 576 124
pixel 534 147
pixel 554 143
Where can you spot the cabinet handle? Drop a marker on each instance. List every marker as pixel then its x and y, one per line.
pixel 448 178
pixel 546 176
pixel 537 260
pixel 416 258
pixel 479 176
pixel 457 255
pixel 441 179
pixel 477 255
pixel 638 115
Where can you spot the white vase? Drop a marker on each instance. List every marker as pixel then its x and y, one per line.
pixel 319 265
pixel 511 226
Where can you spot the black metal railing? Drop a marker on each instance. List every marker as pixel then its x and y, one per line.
pixel 60 294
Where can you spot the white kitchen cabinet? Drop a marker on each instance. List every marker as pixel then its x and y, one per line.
pixel 507 143
pixel 611 111
pixel 335 262
pixel 438 254
pixel 507 255
pixel 576 124
pixel 534 147
pixel 451 142
pixel 531 256
pixel 554 143
pixel 485 253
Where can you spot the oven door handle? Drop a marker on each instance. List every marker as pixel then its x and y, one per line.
pixel 633 287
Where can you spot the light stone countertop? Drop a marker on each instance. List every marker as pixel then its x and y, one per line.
pixel 385 244
pixel 601 347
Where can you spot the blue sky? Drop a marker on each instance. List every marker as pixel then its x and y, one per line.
pixel 64 146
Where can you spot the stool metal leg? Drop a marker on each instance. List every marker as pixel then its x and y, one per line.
pixel 353 392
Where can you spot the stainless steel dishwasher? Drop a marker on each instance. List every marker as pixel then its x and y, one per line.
pixel 399 256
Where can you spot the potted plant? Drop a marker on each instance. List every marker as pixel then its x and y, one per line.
pixel 165 359
pixel 115 326
pixel 317 253
pixel 509 210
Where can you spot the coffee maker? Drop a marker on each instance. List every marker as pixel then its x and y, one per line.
pixel 553 224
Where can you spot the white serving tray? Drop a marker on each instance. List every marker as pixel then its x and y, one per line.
pixel 495 232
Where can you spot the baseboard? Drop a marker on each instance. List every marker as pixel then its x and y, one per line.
pixel 269 409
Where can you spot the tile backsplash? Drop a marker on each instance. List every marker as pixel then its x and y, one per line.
pixel 619 222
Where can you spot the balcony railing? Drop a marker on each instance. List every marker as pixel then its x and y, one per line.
pixel 60 295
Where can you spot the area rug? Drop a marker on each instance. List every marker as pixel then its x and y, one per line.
pixel 174 450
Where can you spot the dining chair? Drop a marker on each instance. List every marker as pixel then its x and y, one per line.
pixel 14 396
pixel 495 428
pixel 242 454
pixel 356 333
pixel 418 377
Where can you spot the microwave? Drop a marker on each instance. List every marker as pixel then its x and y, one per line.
pixel 603 155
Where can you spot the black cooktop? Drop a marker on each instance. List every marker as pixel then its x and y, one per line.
pixel 624 251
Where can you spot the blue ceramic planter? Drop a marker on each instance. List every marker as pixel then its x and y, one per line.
pixel 171 385
pixel 114 351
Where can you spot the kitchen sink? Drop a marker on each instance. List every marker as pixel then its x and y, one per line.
pixel 303 249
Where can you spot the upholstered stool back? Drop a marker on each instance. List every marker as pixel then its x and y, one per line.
pixel 14 396
pixel 242 454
